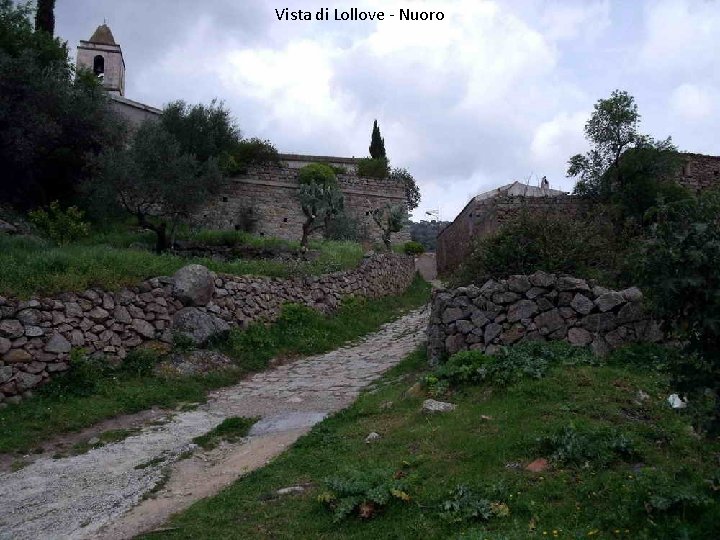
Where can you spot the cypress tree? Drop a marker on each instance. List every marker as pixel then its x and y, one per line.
pixel 45 16
pixel 377 143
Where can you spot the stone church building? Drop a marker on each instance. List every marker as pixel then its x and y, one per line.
pixel 263 201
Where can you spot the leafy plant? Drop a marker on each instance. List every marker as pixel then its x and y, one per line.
pixel 413 248
pixel 82 378
pixel 681 271
pixel 140 362
pixel 509 365
pixel 364 492
pixel 549 241
pixel 60 226
pixel 412 192
pixel 467 505
pixel 373 167
pixel 583 447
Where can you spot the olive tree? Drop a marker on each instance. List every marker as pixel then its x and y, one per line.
pixel 391 219
pixel 155 181
pixel 320 198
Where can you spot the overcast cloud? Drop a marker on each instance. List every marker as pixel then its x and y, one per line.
pixel 498 91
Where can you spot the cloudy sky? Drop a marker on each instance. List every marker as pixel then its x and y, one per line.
pixel 497 91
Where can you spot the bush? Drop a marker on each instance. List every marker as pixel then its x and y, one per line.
pixel 83 377
pixel 546 241
pixel 60 226
pixel 467 505
pixel 373 168
pixel 345 227
pixel 413 248
pixel 317 173
pixel 247 153
pixel 508 366
pixel 583 447
pixel 363 491
pixel 681 271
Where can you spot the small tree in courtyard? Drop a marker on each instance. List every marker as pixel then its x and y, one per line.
pixel 412 192
pixel 320 198
pixel 391 219
pixel 155 181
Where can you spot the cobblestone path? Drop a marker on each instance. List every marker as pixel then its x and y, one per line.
pixel 103 493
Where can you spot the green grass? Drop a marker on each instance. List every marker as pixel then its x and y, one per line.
pixel 58 409
pixel 32 266
pixel 666 487
pixel 231 429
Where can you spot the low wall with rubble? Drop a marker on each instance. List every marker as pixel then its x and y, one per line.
pixel 37 336
pixel 538 307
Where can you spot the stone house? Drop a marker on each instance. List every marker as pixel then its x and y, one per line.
pixel 485 213
pixel 264 200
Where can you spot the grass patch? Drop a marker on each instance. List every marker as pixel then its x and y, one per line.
pixel 94 392
pixel 620 466
pixel 32 266
pixel 106 437
pixel 231 430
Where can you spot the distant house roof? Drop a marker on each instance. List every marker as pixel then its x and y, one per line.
pixel 516 189
pixel 103 35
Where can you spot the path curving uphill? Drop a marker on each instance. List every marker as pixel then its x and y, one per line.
pixel 104 493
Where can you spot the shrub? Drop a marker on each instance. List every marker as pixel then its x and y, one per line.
pixel 547 241
pixel 466 504
pixel 83 377
pixel 373 168
pixel 140 362
pixel 317 173
pixel 60 226
pixel 509 365
pixel 363 491
pixel 344 227
pixel 681 271
pixel 413 248
pixel 582 447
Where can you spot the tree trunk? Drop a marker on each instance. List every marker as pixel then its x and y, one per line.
pixel 161 242
pixel 305 233
pixel 45 16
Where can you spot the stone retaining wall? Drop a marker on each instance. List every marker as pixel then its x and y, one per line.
pixel 36 336
pixel 538 307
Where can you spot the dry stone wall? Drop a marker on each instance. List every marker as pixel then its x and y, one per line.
pixel 538 307
pixel 37 336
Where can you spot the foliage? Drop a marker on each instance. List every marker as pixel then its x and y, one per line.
pixel 548 241
pixel 391 219
pixel 317 173
pixel 231 430
pixel 201 131
pixel 364 492
pixel 413 248
pixel 426 232
pixel 373 168
pixel 52 123
pixel 320 198
pixel 412 192
pixel 247 153
pixel 623 166
pixel 346 227
pixel 612 128
pixel 155 181
pixel 45 16
pixel 467 505
pixel 377 143
pixel 508 366
pixel 681 270
pixel 572 446
pixel 81 379
pixel 60 226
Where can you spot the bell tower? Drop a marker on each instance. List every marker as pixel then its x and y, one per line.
pixel 101 55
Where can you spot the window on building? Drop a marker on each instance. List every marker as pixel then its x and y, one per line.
pixel 99 66
pixel 225 199
pixel 284 220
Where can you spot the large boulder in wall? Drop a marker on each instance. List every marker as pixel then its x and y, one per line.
pixel 193 285
pixel 198 325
